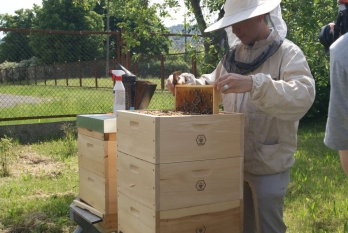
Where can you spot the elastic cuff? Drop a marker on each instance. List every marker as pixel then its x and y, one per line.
pixel 256 82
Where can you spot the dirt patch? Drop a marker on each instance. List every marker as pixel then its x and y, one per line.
pixel 37 222
pixel 28 163
pixel 31 163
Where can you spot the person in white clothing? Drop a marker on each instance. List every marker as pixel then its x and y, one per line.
pixel 267 78
pixel 335 40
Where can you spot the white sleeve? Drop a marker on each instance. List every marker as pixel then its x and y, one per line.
pixel 290 97
pixel 205 79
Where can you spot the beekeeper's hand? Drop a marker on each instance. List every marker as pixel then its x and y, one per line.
pixel 169 84
pixel 233 83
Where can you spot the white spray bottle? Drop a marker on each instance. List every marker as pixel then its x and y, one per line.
pixel 119 91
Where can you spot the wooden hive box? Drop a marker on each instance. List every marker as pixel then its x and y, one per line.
pixel 97 166
pixel 179 185
pixel 160 139
pixel 179 172
pixel 224 217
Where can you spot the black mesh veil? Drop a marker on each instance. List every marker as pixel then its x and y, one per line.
pixel 233 66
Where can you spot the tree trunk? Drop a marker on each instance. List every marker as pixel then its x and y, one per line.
pixel 216 37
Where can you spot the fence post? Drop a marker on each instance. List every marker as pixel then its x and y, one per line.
pixel 136 67
pixel 12 75
pixel 27 74
pixel 128 60
pixel 35 75
pixel 121 46
pixel 44 71
pixel 95 72
pixel 19 75
pixel 54 73
pixel 162 71
pixel 194 65
pixel 6 74
pixel 118 47
pixel 80 78
pixel 66 74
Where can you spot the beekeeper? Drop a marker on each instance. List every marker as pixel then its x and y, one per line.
pixel 266 77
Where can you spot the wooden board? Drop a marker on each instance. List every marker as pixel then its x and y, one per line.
pixel 97 135
pixel 224 217
pixel 109 222
pixel 176 76
pixel 167 139
pixel 197 99
pixel 179 185
pixel 85 206
pixel 97 156
pixel 98 192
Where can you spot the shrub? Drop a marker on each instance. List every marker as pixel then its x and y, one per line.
pixel 152 66
pixel 5 154
pixel 69 140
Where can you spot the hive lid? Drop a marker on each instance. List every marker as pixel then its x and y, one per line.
pixel 103 123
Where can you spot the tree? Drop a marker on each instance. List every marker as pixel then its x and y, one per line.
pixel 212 40
pixel 304 20
pixel 137 27
pixel 16 45
pixel 64 15
pixel 142 27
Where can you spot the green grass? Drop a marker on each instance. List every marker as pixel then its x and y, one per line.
pixel 62 100
pixel 44 181
pixel 317 198
pixel 42 184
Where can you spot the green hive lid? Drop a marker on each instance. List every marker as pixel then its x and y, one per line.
pixel 103 123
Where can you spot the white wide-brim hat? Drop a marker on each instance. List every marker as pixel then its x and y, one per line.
pixel 239 10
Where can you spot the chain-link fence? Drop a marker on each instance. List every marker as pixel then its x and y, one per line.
pixel 50 74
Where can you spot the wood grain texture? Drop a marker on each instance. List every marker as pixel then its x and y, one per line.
pixel 222 217
pixel 98 192
pixel 97 135
pixel 168 139
pixel 109 224
pixel 179 185
pixel 97 156
pixel 88 207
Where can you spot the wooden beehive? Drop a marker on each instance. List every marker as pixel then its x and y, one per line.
pixel 170 186
pixel 224 217
pixel 179 172
pixel 168 139
pixel 97 167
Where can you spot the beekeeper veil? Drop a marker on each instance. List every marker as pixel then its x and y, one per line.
pixel 239 10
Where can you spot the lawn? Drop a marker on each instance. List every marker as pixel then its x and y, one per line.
pixel 317 199
pixel 43 182
pixel 48 100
